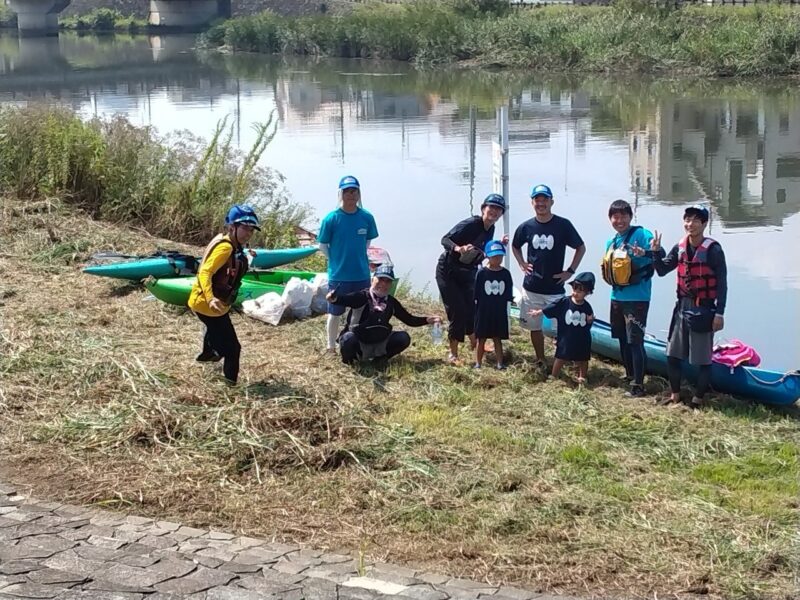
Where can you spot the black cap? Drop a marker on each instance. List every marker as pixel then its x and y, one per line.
pixel 698 210
pixel 586 279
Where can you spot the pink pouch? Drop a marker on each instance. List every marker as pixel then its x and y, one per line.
pixel 735 353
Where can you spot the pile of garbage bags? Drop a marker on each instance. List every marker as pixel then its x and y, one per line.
pixel 300 299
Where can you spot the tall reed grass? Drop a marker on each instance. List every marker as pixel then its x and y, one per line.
pixel 177 187
pixel 630 36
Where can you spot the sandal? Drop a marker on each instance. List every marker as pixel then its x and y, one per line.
pixel 453 360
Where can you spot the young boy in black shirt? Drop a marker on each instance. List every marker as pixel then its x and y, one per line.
pixel 575 317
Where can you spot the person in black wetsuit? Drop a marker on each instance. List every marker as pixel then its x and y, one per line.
pixel 702 295
pixel 368 333
pixel 457 266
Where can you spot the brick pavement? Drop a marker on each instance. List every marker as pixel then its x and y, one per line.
pixel 51 550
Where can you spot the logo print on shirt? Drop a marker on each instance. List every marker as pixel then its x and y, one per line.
pixel 543 242
pixel 494 288
pixel 576 318
pixel 362 231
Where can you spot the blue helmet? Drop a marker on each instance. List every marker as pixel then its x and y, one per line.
pixel 348 182
pixel 244 214
pixel 494 248
pixel 495 200
pixel 541 190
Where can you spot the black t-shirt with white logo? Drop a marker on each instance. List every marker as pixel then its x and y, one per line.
pixel 547 247
pixel 573 336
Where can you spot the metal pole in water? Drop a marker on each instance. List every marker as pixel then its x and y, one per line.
pixel 500 168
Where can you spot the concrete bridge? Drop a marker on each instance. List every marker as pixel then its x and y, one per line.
pixel 40 17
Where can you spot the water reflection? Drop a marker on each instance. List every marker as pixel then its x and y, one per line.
pixel 744 156
pixel 420 143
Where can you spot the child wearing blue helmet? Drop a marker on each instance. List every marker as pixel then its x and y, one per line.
pixel 221 270
pixel 344 236
pixel 493 292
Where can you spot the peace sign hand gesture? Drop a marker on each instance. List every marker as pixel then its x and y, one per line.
pixel 655 243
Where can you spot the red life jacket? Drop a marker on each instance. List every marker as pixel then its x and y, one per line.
pixel 695 278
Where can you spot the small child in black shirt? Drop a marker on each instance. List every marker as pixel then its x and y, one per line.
pixel 493 291
pixel 575 318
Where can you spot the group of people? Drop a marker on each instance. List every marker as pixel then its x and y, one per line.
pixel 476 289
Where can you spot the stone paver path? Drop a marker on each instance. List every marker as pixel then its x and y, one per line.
pixel 51 550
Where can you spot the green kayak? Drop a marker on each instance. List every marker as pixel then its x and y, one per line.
pixel 176 290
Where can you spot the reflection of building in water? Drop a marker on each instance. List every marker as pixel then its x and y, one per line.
pixel 743 157
pixel 305 101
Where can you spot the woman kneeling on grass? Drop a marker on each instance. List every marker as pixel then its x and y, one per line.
pixel 368 333
pixel 218 279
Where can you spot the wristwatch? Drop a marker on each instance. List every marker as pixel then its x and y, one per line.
pixel 570 270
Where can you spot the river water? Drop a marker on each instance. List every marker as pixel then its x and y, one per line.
pixel 421 144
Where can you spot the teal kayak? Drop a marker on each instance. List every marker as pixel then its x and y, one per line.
pixel 176 290
pixel 769 387
pixel 174 264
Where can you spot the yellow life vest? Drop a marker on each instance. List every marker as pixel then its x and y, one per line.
pixel 617 265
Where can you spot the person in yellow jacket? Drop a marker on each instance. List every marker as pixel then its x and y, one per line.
pixel 218 279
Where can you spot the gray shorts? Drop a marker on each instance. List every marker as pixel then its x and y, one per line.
pixel 684 343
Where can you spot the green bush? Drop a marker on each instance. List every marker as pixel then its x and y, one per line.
pixel 176 187
pixel 631 35
pixel 104 20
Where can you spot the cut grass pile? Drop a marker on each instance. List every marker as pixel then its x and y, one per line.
pixel 488 475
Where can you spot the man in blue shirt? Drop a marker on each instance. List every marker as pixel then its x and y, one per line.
pixel 547 237
pixel 630 300
pixel 344 237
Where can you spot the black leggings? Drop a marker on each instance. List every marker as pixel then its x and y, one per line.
pixel 350 349
pixel 634 358
pixel 674 371
pixel 220 337
pixel 457 288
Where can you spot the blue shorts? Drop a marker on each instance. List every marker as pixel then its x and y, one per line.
pixel 344 287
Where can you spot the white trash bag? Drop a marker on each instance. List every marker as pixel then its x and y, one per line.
pixel 319 305
pixel 297 297
pixel 268 308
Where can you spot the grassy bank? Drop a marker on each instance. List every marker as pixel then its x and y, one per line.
pixel 497 476
pixel 178 187
pixel 630 36
pixel 103 20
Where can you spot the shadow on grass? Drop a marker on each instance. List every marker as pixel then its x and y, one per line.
pixel 127 288
pixel 270 388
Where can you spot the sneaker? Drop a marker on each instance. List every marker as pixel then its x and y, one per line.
pixel 540 365
pixel 208 357
pixel 636 391
pixel 453 360
pixel 696 402
pixel 501 367
pixel 476 366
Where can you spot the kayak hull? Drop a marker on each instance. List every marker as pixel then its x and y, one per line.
pixel 162 267
pixel 176 290
pixel 135 270
pixel 769 387
pixel 276 257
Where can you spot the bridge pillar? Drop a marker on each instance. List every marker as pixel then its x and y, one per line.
pixel 38 17
pixel 183 13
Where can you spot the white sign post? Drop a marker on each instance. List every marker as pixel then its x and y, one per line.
pixel 500 167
